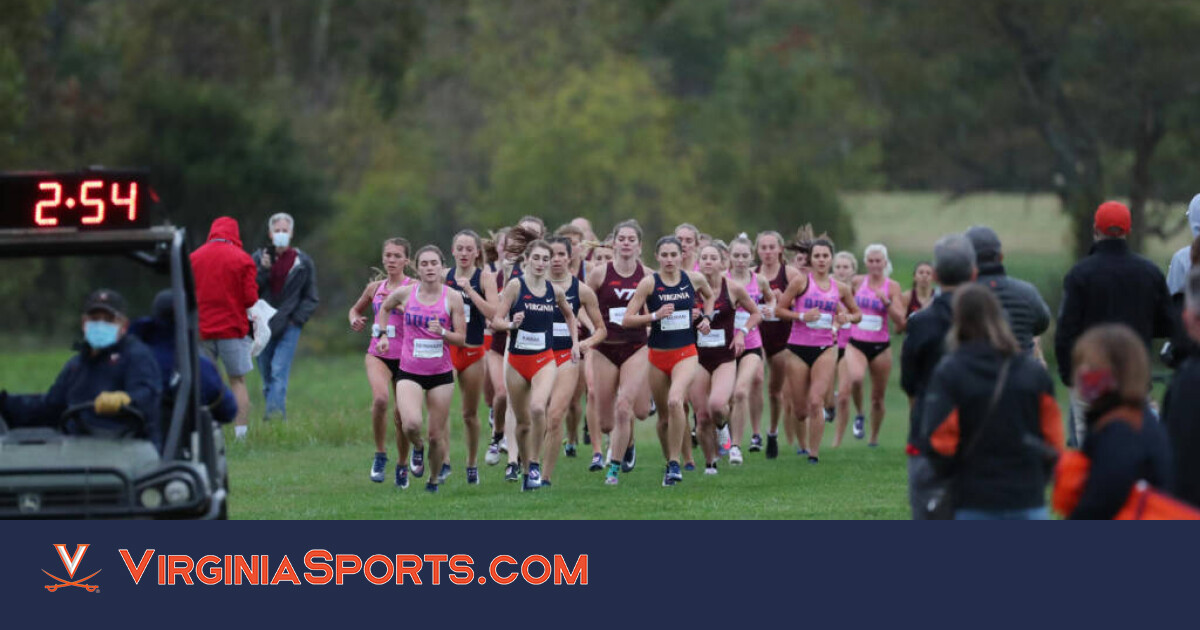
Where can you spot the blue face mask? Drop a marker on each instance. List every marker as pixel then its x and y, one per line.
pixel 101 334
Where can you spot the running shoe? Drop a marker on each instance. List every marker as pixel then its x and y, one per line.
pixel 597 462
pixel 512 473
pixel 859 430
pixel 569 449
pixel 724 440
pixel 545 483
pixel 533 479
pixel 653 407
pixel 418 463
pixel 610 478
pixel 472 476
pixel 830 414
pixel 377 467
pixel 735 455
pixel 690 466
pixel 668 480
pixel 772 446
pixel 813 459
pixel 711 469
pixel 445 472
pixel 503 444
pixel 431 487
pixel 493 453
pixel 756 443
pixel 630 459
pixel 401 476
pixel 802 451
pixel 673 470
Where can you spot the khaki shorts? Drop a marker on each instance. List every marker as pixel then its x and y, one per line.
pixel 234 354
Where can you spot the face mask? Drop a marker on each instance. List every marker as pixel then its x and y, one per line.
pixel 281 239
pixel 1092 384
pixel 100 335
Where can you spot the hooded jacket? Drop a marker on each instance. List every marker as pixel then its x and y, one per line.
pixel 1181 262
pixel 225 282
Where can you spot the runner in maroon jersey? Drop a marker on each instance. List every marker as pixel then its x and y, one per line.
pixel 774 332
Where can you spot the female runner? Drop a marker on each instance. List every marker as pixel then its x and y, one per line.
pixel 689 238
pixel 602 254
pixel 516 243
pixel 670 294
pixel 433 317
pixel 478 290
pixel 566 391
pixel 495 357
pixel 811 303
pixel 769 246
pixel 845 265
pixel 879 299
pixel 383 368
pixel 719 349
pixel 922 292
pixel 578 267
pixel 530 370
pixel 747 390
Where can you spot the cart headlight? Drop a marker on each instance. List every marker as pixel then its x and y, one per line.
pixel 177 491
pixel 151 497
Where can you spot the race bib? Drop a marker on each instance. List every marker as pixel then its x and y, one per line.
pixel 530 341
pixel 714 339
pixel 679 320
pixel 616 315
pixel 428 348
pixel 824 322
pixel 871 323
pixel 561 330
pixel 740 319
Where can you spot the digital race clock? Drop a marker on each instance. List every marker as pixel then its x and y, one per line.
pixel 86 200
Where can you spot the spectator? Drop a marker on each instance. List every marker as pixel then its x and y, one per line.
pixel 1181 345
pixel 287 280
pixel 987 404
pixel 1027 313
pixel 158 333
pixel 1112 377
pixel 225 287
pixel 1181 262
pixel 1111 284
pixel 953 266
pixel 111 371
pixel 1181 407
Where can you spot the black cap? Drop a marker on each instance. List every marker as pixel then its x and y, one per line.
pixel 985 241
pixel 105 300
pixel 163 307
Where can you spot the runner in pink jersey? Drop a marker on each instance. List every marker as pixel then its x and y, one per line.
pixel 433 318
pixel 811 304
pixel 845 265
pixel 747 389
pixel 880 299
pixel 383 368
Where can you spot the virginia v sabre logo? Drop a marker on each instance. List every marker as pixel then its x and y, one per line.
pixel 71 564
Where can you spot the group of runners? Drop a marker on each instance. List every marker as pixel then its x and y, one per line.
pixel 536 323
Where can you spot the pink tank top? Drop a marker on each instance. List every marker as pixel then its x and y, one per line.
pixel 819 333
pixel 754 339
pixel 395 323
pixel 425 353
pixel 874 325
pixel 843 333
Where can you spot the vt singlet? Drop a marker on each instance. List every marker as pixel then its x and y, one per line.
pixel 614 295
pixel 533 337
pixel 819 333
pixel 395 322
pixel 474 316
pixel 716 344
pixel 562 334
pixel 425 352
pixel 874 325
pixel 674 330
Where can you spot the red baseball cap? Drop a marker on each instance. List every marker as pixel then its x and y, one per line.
pixel 1112 218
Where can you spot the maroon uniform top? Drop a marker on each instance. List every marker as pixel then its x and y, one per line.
pixel 614 295
pixel 716 346
pixel 775 333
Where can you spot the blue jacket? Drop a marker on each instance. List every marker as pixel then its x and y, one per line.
pixel 160 337
pixel 127 366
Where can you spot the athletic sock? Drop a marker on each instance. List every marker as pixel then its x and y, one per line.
pixel 240 431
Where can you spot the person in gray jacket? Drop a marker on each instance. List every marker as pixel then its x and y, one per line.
pixel 1181 262
pixel 287 280
pixel 1027 313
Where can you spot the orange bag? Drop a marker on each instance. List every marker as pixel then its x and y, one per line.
pixel 1145 503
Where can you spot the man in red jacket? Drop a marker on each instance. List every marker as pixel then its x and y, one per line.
pixel 225 287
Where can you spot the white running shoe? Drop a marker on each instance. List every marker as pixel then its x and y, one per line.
pixel 735 455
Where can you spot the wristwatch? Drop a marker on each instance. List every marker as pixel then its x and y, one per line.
pixel 744 331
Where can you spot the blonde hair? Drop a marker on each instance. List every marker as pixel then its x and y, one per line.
pixel 882 249
pixel 847 256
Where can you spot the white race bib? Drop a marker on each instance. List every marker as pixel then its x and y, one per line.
pixel 427 348
pixel 824 322
pixel 741 319
pixel 616 315
pixel 561 330
pixel 530 342
pixel 847 326
pixel 714 339
pixel 679 320
pixel 871 323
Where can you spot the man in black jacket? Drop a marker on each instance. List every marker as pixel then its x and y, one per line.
pixel 287 280
pixel 924 345
pixel 1112 284
pixel 1181 407
pixel 1026 311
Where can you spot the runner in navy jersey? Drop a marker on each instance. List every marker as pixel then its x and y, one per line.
pixel 529 374
pixel 619 365
pixel 670 295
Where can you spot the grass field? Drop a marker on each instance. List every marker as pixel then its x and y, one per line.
pixel 315 466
